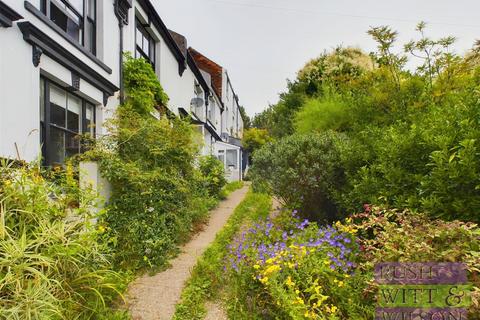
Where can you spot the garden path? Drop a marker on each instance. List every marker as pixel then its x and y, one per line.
pixel 155 297
pixel 214 309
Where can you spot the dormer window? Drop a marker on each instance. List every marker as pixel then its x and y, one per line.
pixel 77 18
pixel 145 44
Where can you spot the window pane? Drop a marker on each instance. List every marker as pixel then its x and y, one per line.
pixel 59 17
pixel 72 144
pixel 89 36
pixel 89 118
pixel 69 23
pixel 146 46
pixel 139 38
pixel 221 157
pixel 57 146
pixel 42 100
pixel 77 4
pixel 73 114
pixel 232 158
pixel 73 30
pixel 58 105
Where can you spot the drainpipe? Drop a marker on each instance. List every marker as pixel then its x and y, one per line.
pixel 121 12
pixel 120 62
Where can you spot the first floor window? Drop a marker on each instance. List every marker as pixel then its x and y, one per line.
pixel 77 18
pixel 63 118
pixel 145 44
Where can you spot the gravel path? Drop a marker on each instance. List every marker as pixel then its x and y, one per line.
pixel 154 297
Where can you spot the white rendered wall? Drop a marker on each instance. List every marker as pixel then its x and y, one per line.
pixel 20 80
pixel 19 97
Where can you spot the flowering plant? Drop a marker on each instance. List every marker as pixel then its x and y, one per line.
pixel 295 269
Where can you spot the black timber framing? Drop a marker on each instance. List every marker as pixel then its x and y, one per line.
pixel 210 128
pixel 8 15
pixel 45 45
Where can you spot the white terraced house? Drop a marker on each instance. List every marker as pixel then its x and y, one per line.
pixel 60 76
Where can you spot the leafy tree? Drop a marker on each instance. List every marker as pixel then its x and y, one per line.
pixel 247 122
pixel 322 114
pixel 254 139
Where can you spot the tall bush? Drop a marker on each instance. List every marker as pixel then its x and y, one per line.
pixel 157 192
pixel 304 171
pixel 213 172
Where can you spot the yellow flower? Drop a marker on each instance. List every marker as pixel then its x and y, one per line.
pixel 271 269
pixel 331 309
pixel 289 282
pixel 256 267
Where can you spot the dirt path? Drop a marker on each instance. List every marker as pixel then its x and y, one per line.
pixel 154 297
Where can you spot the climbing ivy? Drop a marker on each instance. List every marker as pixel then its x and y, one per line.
pixel 143 90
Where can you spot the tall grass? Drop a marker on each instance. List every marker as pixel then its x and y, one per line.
pixel 51 264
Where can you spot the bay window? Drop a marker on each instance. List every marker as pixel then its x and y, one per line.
pixel 63 117
pixel 77 18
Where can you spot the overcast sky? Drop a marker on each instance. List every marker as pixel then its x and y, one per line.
pixel 264 42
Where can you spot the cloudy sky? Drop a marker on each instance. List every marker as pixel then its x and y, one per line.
pixel 264 42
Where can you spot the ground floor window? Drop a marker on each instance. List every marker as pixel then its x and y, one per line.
pixel 232 159
pixel 63 118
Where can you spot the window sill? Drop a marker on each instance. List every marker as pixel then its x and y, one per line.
pixel 37 13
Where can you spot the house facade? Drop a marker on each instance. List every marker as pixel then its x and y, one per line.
pixel 60 75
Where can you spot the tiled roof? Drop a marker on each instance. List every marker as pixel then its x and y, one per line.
pixel 214 69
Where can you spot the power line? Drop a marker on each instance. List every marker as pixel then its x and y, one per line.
pixel 338 14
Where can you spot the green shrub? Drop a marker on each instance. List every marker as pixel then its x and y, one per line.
pixel 388 235
pixel 157 193
pixel 254 138
pixel 51 263
pixel 429 163
pixel 304 171
pixel 213 172
pixel 143 90
pixel 318 115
